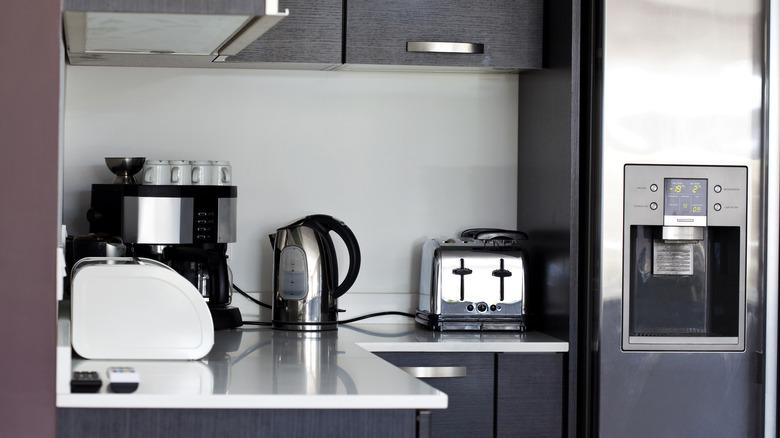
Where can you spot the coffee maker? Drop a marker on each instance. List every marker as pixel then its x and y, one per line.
pixel 187 227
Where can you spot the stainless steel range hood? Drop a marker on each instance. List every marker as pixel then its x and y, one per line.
pixel 184 37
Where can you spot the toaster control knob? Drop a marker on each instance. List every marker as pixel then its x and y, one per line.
pixel 492 307
pixel 482 307
pixel 470 307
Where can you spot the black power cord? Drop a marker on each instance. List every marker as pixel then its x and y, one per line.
pixel 343 321
pixel 374 315
pixel 250 298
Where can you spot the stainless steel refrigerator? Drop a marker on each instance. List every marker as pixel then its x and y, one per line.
pixel 683 256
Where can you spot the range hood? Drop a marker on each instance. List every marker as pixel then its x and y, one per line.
pixel 184 36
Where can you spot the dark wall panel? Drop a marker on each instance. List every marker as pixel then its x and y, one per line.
pixel 548 181
pixel 29 107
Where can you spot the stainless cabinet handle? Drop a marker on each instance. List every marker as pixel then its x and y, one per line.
pixel 435 372
pixel 443 47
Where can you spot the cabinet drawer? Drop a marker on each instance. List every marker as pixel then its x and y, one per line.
pixel 529 395
pixel 470 410
pixel 504 34
pixel 312 34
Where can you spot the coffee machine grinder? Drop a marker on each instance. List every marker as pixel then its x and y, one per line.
pixel 187 227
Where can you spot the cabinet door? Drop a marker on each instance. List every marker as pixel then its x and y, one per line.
pixel 529 395
pixel 396 32
pixel 470 410
pixel 311 34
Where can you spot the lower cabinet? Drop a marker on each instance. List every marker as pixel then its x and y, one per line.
pixel 467 379
pixel 234 423
pixel 529 395
pixel 496 395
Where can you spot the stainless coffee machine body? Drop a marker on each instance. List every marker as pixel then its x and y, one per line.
pixel 165 214
pixel 305 273
pixel 185 227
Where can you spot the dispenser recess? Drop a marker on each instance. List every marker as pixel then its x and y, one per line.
pixel 684 257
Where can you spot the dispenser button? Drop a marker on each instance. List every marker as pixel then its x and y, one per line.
pixel 717 207
pixel 653 187
pixel 653 206
pixel 717 188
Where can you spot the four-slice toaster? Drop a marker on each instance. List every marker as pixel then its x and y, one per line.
pixel 474 282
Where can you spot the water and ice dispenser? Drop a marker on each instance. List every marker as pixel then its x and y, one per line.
pixel 684 257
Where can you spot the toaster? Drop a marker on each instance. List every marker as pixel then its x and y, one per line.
pixel 474 282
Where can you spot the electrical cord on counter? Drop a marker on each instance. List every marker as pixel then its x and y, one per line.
pixel 374 315
pixel 343 321
pixel 250 298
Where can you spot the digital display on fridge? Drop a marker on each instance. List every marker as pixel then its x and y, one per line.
pixel 685 197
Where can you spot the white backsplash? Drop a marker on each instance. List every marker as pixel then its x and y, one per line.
pixel 398 156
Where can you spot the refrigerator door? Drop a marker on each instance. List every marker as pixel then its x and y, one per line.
pixel 681 85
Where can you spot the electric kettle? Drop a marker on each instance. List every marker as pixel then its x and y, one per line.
pixel 305 273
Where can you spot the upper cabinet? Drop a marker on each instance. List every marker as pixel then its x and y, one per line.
pixel 163 32
pixel 494 34
pixel 311 37
pixel 323 34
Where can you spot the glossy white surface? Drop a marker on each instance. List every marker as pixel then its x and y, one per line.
pixel 112 318
pixel 260 368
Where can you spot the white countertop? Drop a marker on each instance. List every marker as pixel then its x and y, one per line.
pixel 260 368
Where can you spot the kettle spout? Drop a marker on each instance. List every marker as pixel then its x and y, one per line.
pixel 272 238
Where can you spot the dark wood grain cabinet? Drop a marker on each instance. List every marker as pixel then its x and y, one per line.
pixel 311 34
pixel 506 34
pixel 470 406
pixel 240 7
pixel 234 423
pixel 501 395
pixel 529 395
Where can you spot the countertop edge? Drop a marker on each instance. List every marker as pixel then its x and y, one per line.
pixel 465 347
pixel 242 401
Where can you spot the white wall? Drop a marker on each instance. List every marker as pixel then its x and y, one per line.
pixel 397 156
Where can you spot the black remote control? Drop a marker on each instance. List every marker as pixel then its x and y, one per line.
pixel 85 381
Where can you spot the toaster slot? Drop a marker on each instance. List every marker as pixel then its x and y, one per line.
pixel 501 273
pixel 462 271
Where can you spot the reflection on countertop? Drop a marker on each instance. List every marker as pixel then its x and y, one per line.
pixel 260 368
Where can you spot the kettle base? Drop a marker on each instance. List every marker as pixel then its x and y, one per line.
pixel 305 327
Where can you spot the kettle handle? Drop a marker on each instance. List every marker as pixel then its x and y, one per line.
pixel 329 223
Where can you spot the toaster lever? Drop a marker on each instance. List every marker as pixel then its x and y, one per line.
pixel 462 271
pixel 502 273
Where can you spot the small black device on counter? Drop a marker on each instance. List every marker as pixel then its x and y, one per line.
pixel 122 380
pixel 85 382
pixel 474 282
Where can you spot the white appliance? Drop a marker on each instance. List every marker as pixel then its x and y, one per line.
pixel 136 308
